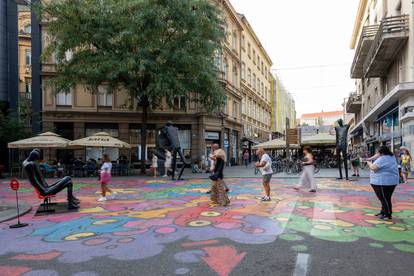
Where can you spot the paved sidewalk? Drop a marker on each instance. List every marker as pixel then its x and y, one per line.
pixel 242 171
pixel 8 211
pixel 229 172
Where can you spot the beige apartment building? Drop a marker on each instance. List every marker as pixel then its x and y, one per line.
pixel 255 88
pixel 383 69
pixel 283 108
pixel 78 113
pixel 25 63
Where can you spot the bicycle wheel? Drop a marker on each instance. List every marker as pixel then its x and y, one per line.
pixel 279 167
pixel 274 166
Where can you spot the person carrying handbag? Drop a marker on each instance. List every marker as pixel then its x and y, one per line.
pixel 218 190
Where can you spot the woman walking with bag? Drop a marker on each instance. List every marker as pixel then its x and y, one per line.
pixel 218 190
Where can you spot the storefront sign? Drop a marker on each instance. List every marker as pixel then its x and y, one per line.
pixel 293 136
pixel 210 135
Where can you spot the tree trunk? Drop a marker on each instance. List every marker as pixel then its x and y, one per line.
pixel 144 120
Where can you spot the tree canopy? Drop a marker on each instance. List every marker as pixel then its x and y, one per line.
pixel 153 48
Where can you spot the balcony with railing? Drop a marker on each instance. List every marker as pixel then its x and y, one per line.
pixel 391 36
pixel 354 103
pixel 362 49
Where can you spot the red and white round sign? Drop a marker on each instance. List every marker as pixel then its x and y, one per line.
pixel 14 184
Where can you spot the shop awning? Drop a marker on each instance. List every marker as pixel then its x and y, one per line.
pixel 245 139
pixel 391 98
pixel 320 139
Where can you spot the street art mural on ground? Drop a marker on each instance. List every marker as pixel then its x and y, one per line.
pixel 150 214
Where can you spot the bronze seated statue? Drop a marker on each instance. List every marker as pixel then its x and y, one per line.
pixel 35 177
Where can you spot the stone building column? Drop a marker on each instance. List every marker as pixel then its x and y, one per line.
pixel 48 154
pixel 198 140
pixel 79 132
pixel 124 136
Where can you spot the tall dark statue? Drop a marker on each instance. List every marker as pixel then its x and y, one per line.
pixel 341 147
pixel 167 138
pixel 35 177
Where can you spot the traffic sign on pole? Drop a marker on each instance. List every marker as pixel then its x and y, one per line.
pixel 14 185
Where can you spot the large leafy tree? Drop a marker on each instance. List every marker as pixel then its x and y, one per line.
pixel 154 49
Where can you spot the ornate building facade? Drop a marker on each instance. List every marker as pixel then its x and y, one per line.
pixel 383 69
pixel 255 88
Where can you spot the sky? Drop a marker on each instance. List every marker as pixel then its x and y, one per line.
pixel 309 44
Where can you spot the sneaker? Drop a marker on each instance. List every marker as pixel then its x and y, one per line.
pixel 72 206
pixel 377 215
pixel 208 192
pixel 165 176
pixel 113 195
pixel 385 217
pixel 102 198
pixel 266 198
pixel 312 191
pixel 354 175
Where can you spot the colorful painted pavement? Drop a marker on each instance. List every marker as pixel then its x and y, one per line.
pixel 150 214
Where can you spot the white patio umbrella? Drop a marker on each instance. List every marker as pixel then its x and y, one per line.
pixel 320 139
pixel 44 140
pixel 47 140
pixel 99 140
pixel 275 144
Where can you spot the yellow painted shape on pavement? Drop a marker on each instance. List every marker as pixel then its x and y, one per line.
pixel 379 221
pixel 78 236
pixel 102 222
pixel 97 209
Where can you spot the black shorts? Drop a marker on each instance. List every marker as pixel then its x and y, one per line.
pixel 267 178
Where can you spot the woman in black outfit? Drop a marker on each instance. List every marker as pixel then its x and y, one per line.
pixel 218 192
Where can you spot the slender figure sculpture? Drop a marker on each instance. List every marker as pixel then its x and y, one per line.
pixel 341 147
